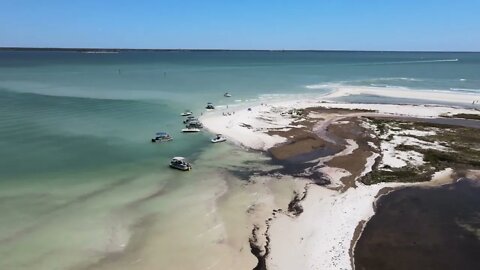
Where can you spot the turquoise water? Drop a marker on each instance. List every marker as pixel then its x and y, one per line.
pixel 67 111
pixel 75 130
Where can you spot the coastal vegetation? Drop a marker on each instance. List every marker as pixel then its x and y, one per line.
pixel 440 146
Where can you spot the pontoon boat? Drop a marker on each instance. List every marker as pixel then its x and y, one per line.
pixel 190 130
pixel 161 137
pixel 190 118
pixel 194 124
pixel 180 163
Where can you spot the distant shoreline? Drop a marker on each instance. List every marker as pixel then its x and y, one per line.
pixel 206 50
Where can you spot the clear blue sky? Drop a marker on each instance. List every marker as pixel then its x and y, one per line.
pixel 243 24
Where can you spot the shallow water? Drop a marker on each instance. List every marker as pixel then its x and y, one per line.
pixel 82 187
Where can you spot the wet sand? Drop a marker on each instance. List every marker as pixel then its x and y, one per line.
pixel 304 145
pixel 423 228
pixel 356 162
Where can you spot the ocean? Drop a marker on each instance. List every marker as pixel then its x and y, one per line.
pixel 82 187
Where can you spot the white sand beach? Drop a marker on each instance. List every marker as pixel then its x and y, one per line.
pixel 321 237
pixel 341 90
pixel 246 125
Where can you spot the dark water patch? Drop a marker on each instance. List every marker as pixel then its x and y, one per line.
pixel 466 116
pixel 468 123
pixel 435 122
pixel 13 100
pixel 423 228
pixel 298 166
pixel 246 174
pixel 63 152
pixel 303 165
pixel 310 156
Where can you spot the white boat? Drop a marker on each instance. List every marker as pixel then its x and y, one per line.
pixel 218 139
pixel 180 163
pixel 227 95
pixel 186 113
pixel 190 130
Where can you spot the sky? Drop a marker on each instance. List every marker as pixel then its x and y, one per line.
pixel 406 25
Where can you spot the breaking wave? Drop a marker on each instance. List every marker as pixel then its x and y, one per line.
pixel 417 61
pixel 468 90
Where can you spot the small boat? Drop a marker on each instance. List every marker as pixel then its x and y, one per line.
pixel 227 95
pixel 180 163
pixel 190 130
pixel 210 106
pixel 186 113
pixel 194 124
pixel 189 119
pixel 161 137
pixel 218 138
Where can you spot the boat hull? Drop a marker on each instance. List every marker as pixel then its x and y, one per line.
pixel 190 130
pixel 161 140
pixel 181 168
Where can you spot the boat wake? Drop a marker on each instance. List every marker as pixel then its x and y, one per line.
pixel 416 61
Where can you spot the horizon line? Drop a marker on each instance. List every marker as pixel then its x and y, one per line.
pixel 13 48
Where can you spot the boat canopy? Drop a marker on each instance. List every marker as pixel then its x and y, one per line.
pixel 178 158
pixel 161 133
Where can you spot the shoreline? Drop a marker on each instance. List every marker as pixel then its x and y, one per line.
pixel 250 127
pixel 431 95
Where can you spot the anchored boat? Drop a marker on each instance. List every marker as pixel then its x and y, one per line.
pixel 186 113
pixel 161 137
pixel 180 163
pixel 218 138
pixel 189 118
pixel 194 124
pixel 190 130
pixel 210 106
